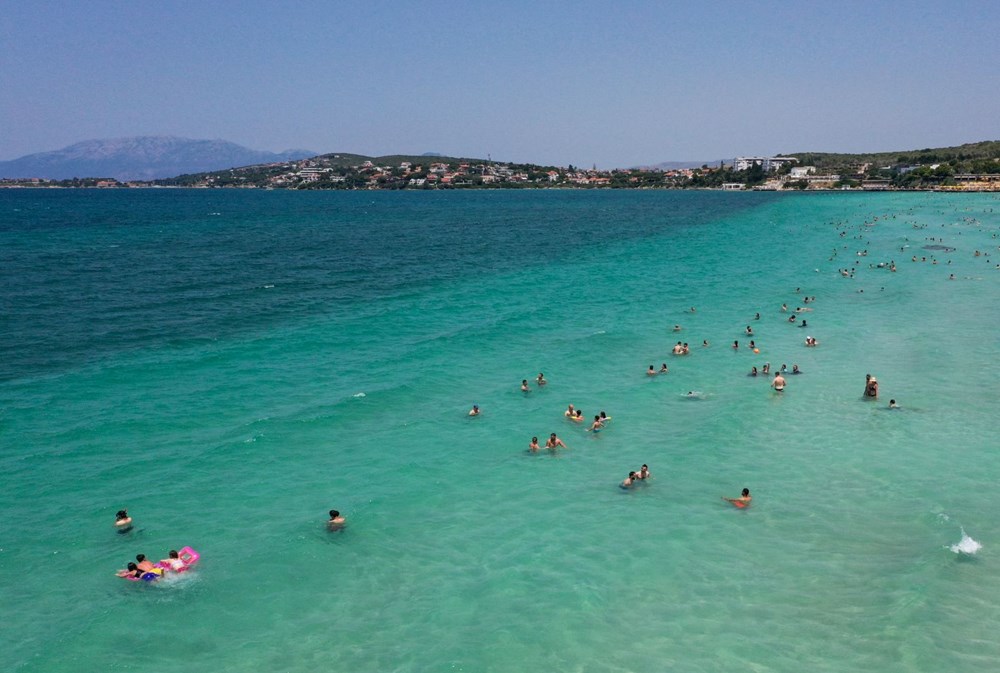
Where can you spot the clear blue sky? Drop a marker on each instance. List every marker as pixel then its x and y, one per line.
pixel 606 83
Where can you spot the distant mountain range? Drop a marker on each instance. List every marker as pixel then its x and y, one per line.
pixel 141 158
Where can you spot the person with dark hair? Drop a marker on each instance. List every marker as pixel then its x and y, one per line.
pixel 144 564
pixel 123 522
pixel 336 521
pixel 131 570
pixel 741 501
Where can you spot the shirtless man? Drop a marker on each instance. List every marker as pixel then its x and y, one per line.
pixel 597 424
pixel 533 446
pixel 474 411
pixel 741 501
pixel 554 442
pixel 524 386
pixel 570 411
pixel 651 371
pixel 779 382
pixel 627 482
pixel 678 348
pixel 643 472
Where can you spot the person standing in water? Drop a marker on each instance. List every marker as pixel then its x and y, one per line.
pixel 778 383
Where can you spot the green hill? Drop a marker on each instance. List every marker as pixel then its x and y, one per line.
pixel 981 157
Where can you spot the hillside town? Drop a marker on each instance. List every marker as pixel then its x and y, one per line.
pixel 757 173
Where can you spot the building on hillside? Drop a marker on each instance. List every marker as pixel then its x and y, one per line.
pixel 767 163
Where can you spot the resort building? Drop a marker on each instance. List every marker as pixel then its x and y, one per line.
pixel 767 163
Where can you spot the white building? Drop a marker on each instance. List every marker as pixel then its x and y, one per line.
pixel 767 163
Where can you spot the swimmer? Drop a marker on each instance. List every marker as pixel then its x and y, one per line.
pixel 784 369
pixel 131 570
pixel 524 386
pixel 540 379
pixel 677 328
pixel 704 344
pixel 791 318
pixel 753 371
pixel 570 411
pixel 767 368
pixel 677 349
pixel 644 472
pixel 784 307
pixel 749 331
pixel 578 418
pixel 627 482
pixel 533 445
pixel 741 501
pixel 474 411
pixel 804 323
pixel 604 418
pixel 651 371
pixel 752 344
pixel 663 368
pixel 736 345
pixel 123 522
pixel 692 309
pixel 756 316
pixel 144 564
pixel 893 405
pixel 173 561
pixel 596 425
pixel 554 442
pixel 778 383
pixel 336 519
pixel 796 370
pixel 685 350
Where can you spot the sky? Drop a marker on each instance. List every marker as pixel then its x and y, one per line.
pixel 611 84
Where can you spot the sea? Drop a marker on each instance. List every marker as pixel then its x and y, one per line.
pixel 230 365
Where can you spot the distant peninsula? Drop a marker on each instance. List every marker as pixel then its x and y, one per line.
pixel 140 158
pixel 970 167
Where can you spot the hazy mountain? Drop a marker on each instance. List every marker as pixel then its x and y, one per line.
pixel 140 158
pixel 674 165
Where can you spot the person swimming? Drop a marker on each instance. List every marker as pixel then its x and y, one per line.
pixel 578 418
pixel 570 411
pixel 741 501
pixel 663 368
pixel 604 418
pixel 336 521
pixel 533 445
pixel 628 481
pixel 651 371
pixel 524 386
pixel 540 379
pixel 871 386
pixel 554 442
pixel 474 411
pixel 893 405
pixel 796 370
pixel 144 564
pixel 123 522
pixel 753 371
pixel 643 472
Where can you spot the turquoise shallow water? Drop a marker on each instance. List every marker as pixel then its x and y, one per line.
pixel 200 358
